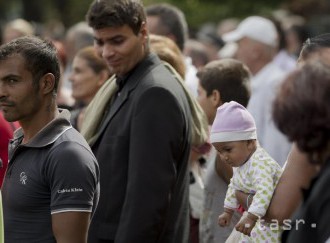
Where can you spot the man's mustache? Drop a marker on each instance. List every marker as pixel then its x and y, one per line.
pixel 6 102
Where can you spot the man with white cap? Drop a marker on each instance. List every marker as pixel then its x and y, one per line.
pixel 257 41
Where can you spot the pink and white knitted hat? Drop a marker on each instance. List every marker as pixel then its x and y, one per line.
pixel 233 122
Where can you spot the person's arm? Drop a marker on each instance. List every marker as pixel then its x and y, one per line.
pixel 223 169
pixel 70 227
pixel 244 199
pixel 71 208
pixel 225 217
pixel 246 224
pixel 287 196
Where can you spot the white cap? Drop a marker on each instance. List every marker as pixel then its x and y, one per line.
pixel 256 28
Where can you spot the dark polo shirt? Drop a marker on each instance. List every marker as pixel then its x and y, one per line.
pixel 54 172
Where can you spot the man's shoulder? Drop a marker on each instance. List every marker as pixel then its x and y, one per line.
pixel 71 135
pixel 152 68
pixel 158 77
pixel 274 72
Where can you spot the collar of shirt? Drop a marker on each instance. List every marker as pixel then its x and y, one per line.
pixel 46 135
pixel 120 81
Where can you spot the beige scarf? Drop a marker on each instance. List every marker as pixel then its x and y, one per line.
pixel 95 110
pixel 200 128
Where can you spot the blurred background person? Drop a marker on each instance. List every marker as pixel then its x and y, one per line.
pixel 295 36
pixel 282 58
pixel 169 52
pixel 77 36
pixel 168 20
pixel 197 51
pixel 207 35
pixel 17 28
pixel 226 25
pixel 63 98
pixel 89 72
pixel 257 41
pixel 317 47
pixel 6 133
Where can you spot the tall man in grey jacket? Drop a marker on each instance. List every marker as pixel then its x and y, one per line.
pixel 143 140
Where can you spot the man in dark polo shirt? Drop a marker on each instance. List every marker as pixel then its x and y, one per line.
pixel 51 184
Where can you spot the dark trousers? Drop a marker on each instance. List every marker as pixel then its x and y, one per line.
pixel 194 230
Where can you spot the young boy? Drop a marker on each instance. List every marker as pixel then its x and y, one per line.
pixel 233 134
pixel 220 81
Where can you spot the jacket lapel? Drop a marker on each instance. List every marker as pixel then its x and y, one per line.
pixel 131 84
pixel 120 100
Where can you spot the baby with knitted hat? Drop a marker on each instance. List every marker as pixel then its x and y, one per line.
pixel 234 136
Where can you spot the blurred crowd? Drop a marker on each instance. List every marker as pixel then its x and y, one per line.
pixel 242 60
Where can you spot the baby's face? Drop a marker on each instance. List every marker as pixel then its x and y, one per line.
pixel 234 153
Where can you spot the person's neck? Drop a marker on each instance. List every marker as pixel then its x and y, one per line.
pixel 257 67
pixel 259 64
pixel 32 125
pixel 125 75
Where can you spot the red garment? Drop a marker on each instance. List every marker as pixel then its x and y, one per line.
pixel 241 209
pixel 6 133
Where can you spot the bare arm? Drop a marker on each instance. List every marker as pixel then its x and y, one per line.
pixel 71 227
pixel 224 170
pixel 287 196
pixel 296 176
pixel 242 199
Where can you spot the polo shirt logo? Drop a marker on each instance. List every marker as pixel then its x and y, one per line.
pixel 23 178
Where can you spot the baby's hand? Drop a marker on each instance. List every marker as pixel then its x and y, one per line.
pixel 224 219
pixel 246 223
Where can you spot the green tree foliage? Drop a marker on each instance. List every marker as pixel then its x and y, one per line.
pixel 200 11
pixel 197 11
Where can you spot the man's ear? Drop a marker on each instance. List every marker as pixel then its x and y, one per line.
pixel 47 83
pixel 216 98
pixel 144 30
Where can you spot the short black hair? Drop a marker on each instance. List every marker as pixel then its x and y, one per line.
pixel 40 56
pixel 116 13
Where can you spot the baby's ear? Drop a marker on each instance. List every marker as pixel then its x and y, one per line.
pixel 252 144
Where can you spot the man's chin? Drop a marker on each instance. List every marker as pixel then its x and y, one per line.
pixel 8 117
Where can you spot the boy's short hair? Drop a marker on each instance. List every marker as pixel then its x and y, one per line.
pixel 228 76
